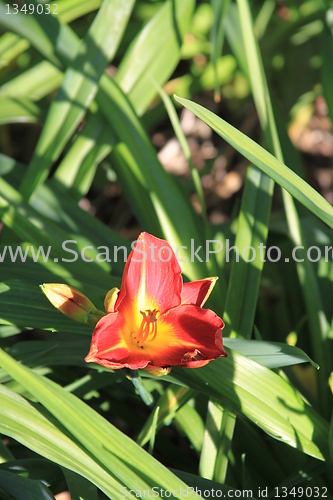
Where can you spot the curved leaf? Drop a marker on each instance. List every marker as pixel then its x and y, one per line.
pixel 269 354
pixel 21 421
pixel 283 175
pixel 154 53
pixel 122 457
pixel 22 488
pixel 78 89
pixel 262 396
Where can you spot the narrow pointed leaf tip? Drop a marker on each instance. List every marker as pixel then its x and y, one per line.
pixel 72 303
pixel 155 321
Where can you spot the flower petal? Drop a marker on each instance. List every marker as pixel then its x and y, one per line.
pixel 112 348
pixel 197 292
pixel 152 276
pixel 197 364
pixel 186 336
pixel 157 371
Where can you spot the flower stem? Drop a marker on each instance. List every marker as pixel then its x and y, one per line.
pixel 143 393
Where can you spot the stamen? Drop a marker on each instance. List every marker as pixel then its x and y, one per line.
pixel 148 327
pixel 192 356
pixel 154 332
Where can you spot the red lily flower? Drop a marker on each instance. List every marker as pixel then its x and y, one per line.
pixel 155 321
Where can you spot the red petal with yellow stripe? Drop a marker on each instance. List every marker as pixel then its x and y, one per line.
pixel 155 322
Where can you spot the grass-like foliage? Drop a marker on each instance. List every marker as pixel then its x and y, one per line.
pixel 85 88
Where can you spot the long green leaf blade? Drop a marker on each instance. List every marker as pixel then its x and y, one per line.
pixel 154 53
pixel 78 89
pixel 21 421
pixel 283 175
pixel 35 83
pixel 246 268
pixel 306 272
pixel 118 454
pixel 269 354
pixel 250 389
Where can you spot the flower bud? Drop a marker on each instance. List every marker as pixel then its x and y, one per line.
pixel 72 303
pixel 111 299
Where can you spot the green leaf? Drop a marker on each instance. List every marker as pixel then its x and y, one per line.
pixel 78 89
pixel 211 264
pixel 154 53
pixel 306 273
pixel 27 306
pixel 211 440
pixel 70 229
pixel 191 423
pixel 99 151
pixel 11 46
pixel 78 167
pixel 27 26
pixel 21 421
pixel 283 175
pixel 21 217
pixel 264 397
pixel 68 10
pixel 235 39
pixel 19 110
pixel 49 241
pixel 86 230
pixel 58 349
pixel 186 150
pixel 40 469
pixel 172 399
pixel 118 454
pixel 5 454
pixel 269 354
pixel 141 168
pixel 224 445
pixel 153 194
pixel 34 272
pixel 22 488
pixel 246 271
pixel 263 18
pixel 35 83
pixel 200 485
pixel 220 9
pixel 79 488
pixel 153 431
